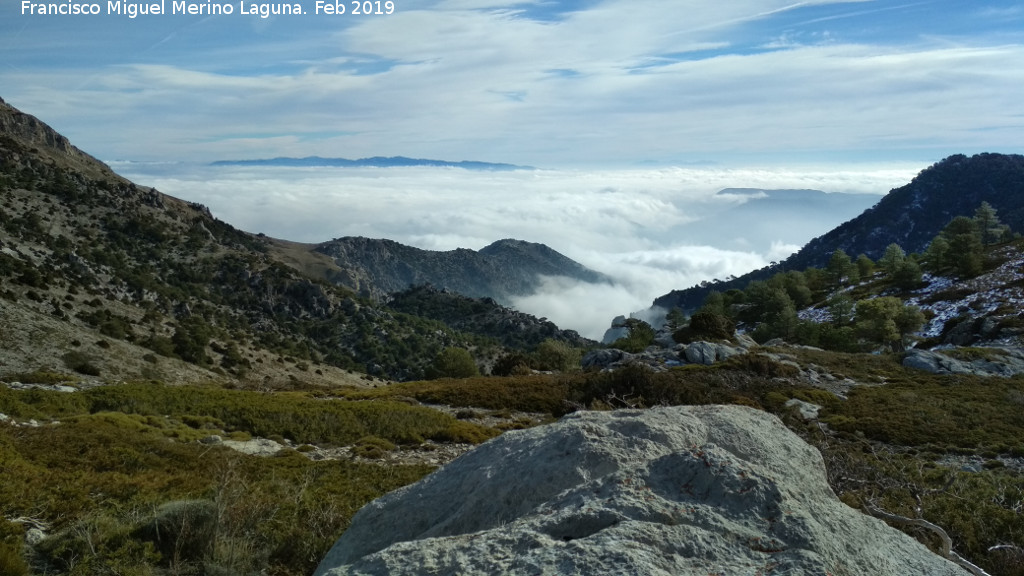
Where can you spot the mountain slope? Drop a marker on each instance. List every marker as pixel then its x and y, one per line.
pixel 482 316
pixel 502 270
pixel 910 216
pixel 114 280
pixel 913 214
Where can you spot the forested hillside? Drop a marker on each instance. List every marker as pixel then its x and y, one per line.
pixel 909 216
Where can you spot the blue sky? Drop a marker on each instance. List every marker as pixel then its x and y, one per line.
pixel 616 83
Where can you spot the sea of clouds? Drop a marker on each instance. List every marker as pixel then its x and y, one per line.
pixel 624 223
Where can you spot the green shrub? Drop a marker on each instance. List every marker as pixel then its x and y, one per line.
pixel 760 365
pixel 11 561
pixel 512 364
pixel 81 363
pixel 705 325
pixel 162 345
pixel 531 393
pixel 181 530
pixel 190 339
pixel 454 363
pixel 40 376
pixel 639 336
pixel 557 356
pixel 372 447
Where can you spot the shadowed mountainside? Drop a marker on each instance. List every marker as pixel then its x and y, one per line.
pixel 910 216
pixel 505 269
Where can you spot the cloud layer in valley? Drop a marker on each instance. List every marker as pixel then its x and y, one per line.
pixel 625 223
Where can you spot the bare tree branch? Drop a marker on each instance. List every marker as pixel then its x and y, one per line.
pixel 947 542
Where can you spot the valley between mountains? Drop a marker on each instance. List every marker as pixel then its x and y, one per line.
pixel 178 396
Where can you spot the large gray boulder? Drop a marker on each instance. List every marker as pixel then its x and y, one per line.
pixel 708 353
pixel 616 331
pixel 605 358
pixel 680 491
pixel 935 363
pixel 1002 362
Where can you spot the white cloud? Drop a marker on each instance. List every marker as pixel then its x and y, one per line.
pixel 612 84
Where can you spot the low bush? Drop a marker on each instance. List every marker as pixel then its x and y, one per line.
pixel 705 325
pixel 81 363
pixel 372 447
pixel 122 499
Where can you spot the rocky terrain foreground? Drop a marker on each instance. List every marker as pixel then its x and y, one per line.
pixel 683 490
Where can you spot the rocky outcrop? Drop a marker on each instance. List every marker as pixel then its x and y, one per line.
pixel 659 358
pixel 615 331
pixel 708 353
pixel 685 491
pixel 45 141
pixel 997 362
pixel 606 358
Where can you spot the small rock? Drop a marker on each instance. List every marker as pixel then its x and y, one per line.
pixel 745 342
pixel 807 410
pixel 34 536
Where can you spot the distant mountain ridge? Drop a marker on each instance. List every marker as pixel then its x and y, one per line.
pixel 503 270
pixel 372 162
pixel 910 216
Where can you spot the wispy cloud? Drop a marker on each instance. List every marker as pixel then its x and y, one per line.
pixel 546 84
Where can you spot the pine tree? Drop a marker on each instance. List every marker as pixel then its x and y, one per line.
pixel 966 251
pixel 937 255
pixel 841 268
pixel 454 363
pixel 891 260
pixel 907 275
pixel 887 320
pixel 989 227
pixel 865 266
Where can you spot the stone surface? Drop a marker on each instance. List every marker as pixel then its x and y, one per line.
pixel 745 342
pixel 616 331
pixel 680 491
pixel 1003 362
pixel 708 353
pixel 254 447
pixel 605 358
pixel 807 410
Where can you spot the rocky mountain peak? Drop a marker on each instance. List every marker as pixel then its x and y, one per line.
pixel 33 136
pixel 503 270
